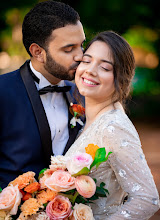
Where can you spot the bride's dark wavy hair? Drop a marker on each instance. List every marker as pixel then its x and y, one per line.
pixel 124 63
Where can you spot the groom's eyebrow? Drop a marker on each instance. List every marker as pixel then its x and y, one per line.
pixel 106 61
pixel 69 45
pixel 72 45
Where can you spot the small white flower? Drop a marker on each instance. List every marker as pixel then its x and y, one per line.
pixel 75 120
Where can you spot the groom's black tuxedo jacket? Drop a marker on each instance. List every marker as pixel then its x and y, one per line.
pixel 25 137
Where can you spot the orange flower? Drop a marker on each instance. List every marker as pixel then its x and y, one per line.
pixel 26 196
pixel 33 187
pixel 30 206
pixel 45 196
pixel 77 109
pixel 23 180
pixel 91 149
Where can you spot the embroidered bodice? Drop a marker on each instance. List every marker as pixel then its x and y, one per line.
pixel 125 173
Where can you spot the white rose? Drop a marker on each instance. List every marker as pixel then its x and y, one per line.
pixel 82 212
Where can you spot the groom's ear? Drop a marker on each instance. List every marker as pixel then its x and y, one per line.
pixel 37 52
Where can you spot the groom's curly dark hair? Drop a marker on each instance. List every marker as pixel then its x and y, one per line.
pixel 45 17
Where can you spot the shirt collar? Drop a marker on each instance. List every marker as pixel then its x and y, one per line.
pixel 42 80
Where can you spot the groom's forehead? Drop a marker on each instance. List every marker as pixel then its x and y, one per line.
pixel 68 35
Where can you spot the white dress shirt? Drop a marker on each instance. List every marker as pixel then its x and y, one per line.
pixel 57 113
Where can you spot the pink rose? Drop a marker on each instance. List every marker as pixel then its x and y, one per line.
pixel 78 162
pixel 82 212
pixel 59 208
pixel 10 198
pixel 60 181
pixel 85 185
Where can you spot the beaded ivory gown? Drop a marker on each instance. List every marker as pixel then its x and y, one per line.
pixel 125 172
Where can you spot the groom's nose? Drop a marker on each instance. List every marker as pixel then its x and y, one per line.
pixel 79 54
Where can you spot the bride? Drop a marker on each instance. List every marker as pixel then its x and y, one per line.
pixel 104 77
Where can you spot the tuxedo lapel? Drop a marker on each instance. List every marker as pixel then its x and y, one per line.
pixel 72 131
pixel 39 111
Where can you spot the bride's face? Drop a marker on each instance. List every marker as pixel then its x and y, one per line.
pixel 94 76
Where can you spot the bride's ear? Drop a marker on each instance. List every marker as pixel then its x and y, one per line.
pixel 37 52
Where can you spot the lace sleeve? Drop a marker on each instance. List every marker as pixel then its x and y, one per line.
pixel 131 170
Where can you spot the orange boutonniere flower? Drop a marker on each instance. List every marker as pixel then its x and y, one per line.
pixel 91 149
pixel 77 111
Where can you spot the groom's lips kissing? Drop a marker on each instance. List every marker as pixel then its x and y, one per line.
pixel 89 82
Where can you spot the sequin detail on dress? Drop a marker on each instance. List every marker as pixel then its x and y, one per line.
pixel 133 194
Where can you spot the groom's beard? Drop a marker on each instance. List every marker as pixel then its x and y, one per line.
pixel 58 70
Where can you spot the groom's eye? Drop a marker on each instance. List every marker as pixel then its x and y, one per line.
pixel 68 49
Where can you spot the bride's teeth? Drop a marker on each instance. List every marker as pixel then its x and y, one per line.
pixel 89 82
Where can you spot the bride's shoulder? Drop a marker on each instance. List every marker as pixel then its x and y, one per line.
pixel 117 120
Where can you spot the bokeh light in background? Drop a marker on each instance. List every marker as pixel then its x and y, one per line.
pixel 135 20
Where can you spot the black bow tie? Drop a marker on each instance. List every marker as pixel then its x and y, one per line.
pixel 54 89
pixel 49 88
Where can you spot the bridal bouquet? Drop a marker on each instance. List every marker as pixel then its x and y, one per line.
pixel 64 191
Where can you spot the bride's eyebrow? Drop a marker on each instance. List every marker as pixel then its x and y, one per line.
pixel 106 61
pixel 87 55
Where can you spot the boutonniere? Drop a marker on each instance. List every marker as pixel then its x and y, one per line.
pixel 77 111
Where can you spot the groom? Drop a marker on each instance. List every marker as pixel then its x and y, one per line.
pixel 34 121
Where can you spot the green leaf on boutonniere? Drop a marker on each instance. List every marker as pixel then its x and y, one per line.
pixel 41 173
pixel 75 114
pixel 100 157
pixel 84 171
pixel 0 189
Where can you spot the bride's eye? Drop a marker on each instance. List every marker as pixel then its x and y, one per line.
pixel 85 60
pixel 106 67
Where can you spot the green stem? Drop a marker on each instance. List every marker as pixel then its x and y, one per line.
pixel 74 197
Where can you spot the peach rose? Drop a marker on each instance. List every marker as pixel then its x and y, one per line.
pixel 78 162
pixel 85 185
pixel 60 181
pixel 82 212
pixel 59 208
pixel 10 198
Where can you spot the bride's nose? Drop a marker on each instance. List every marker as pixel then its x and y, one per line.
pixel 92 70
